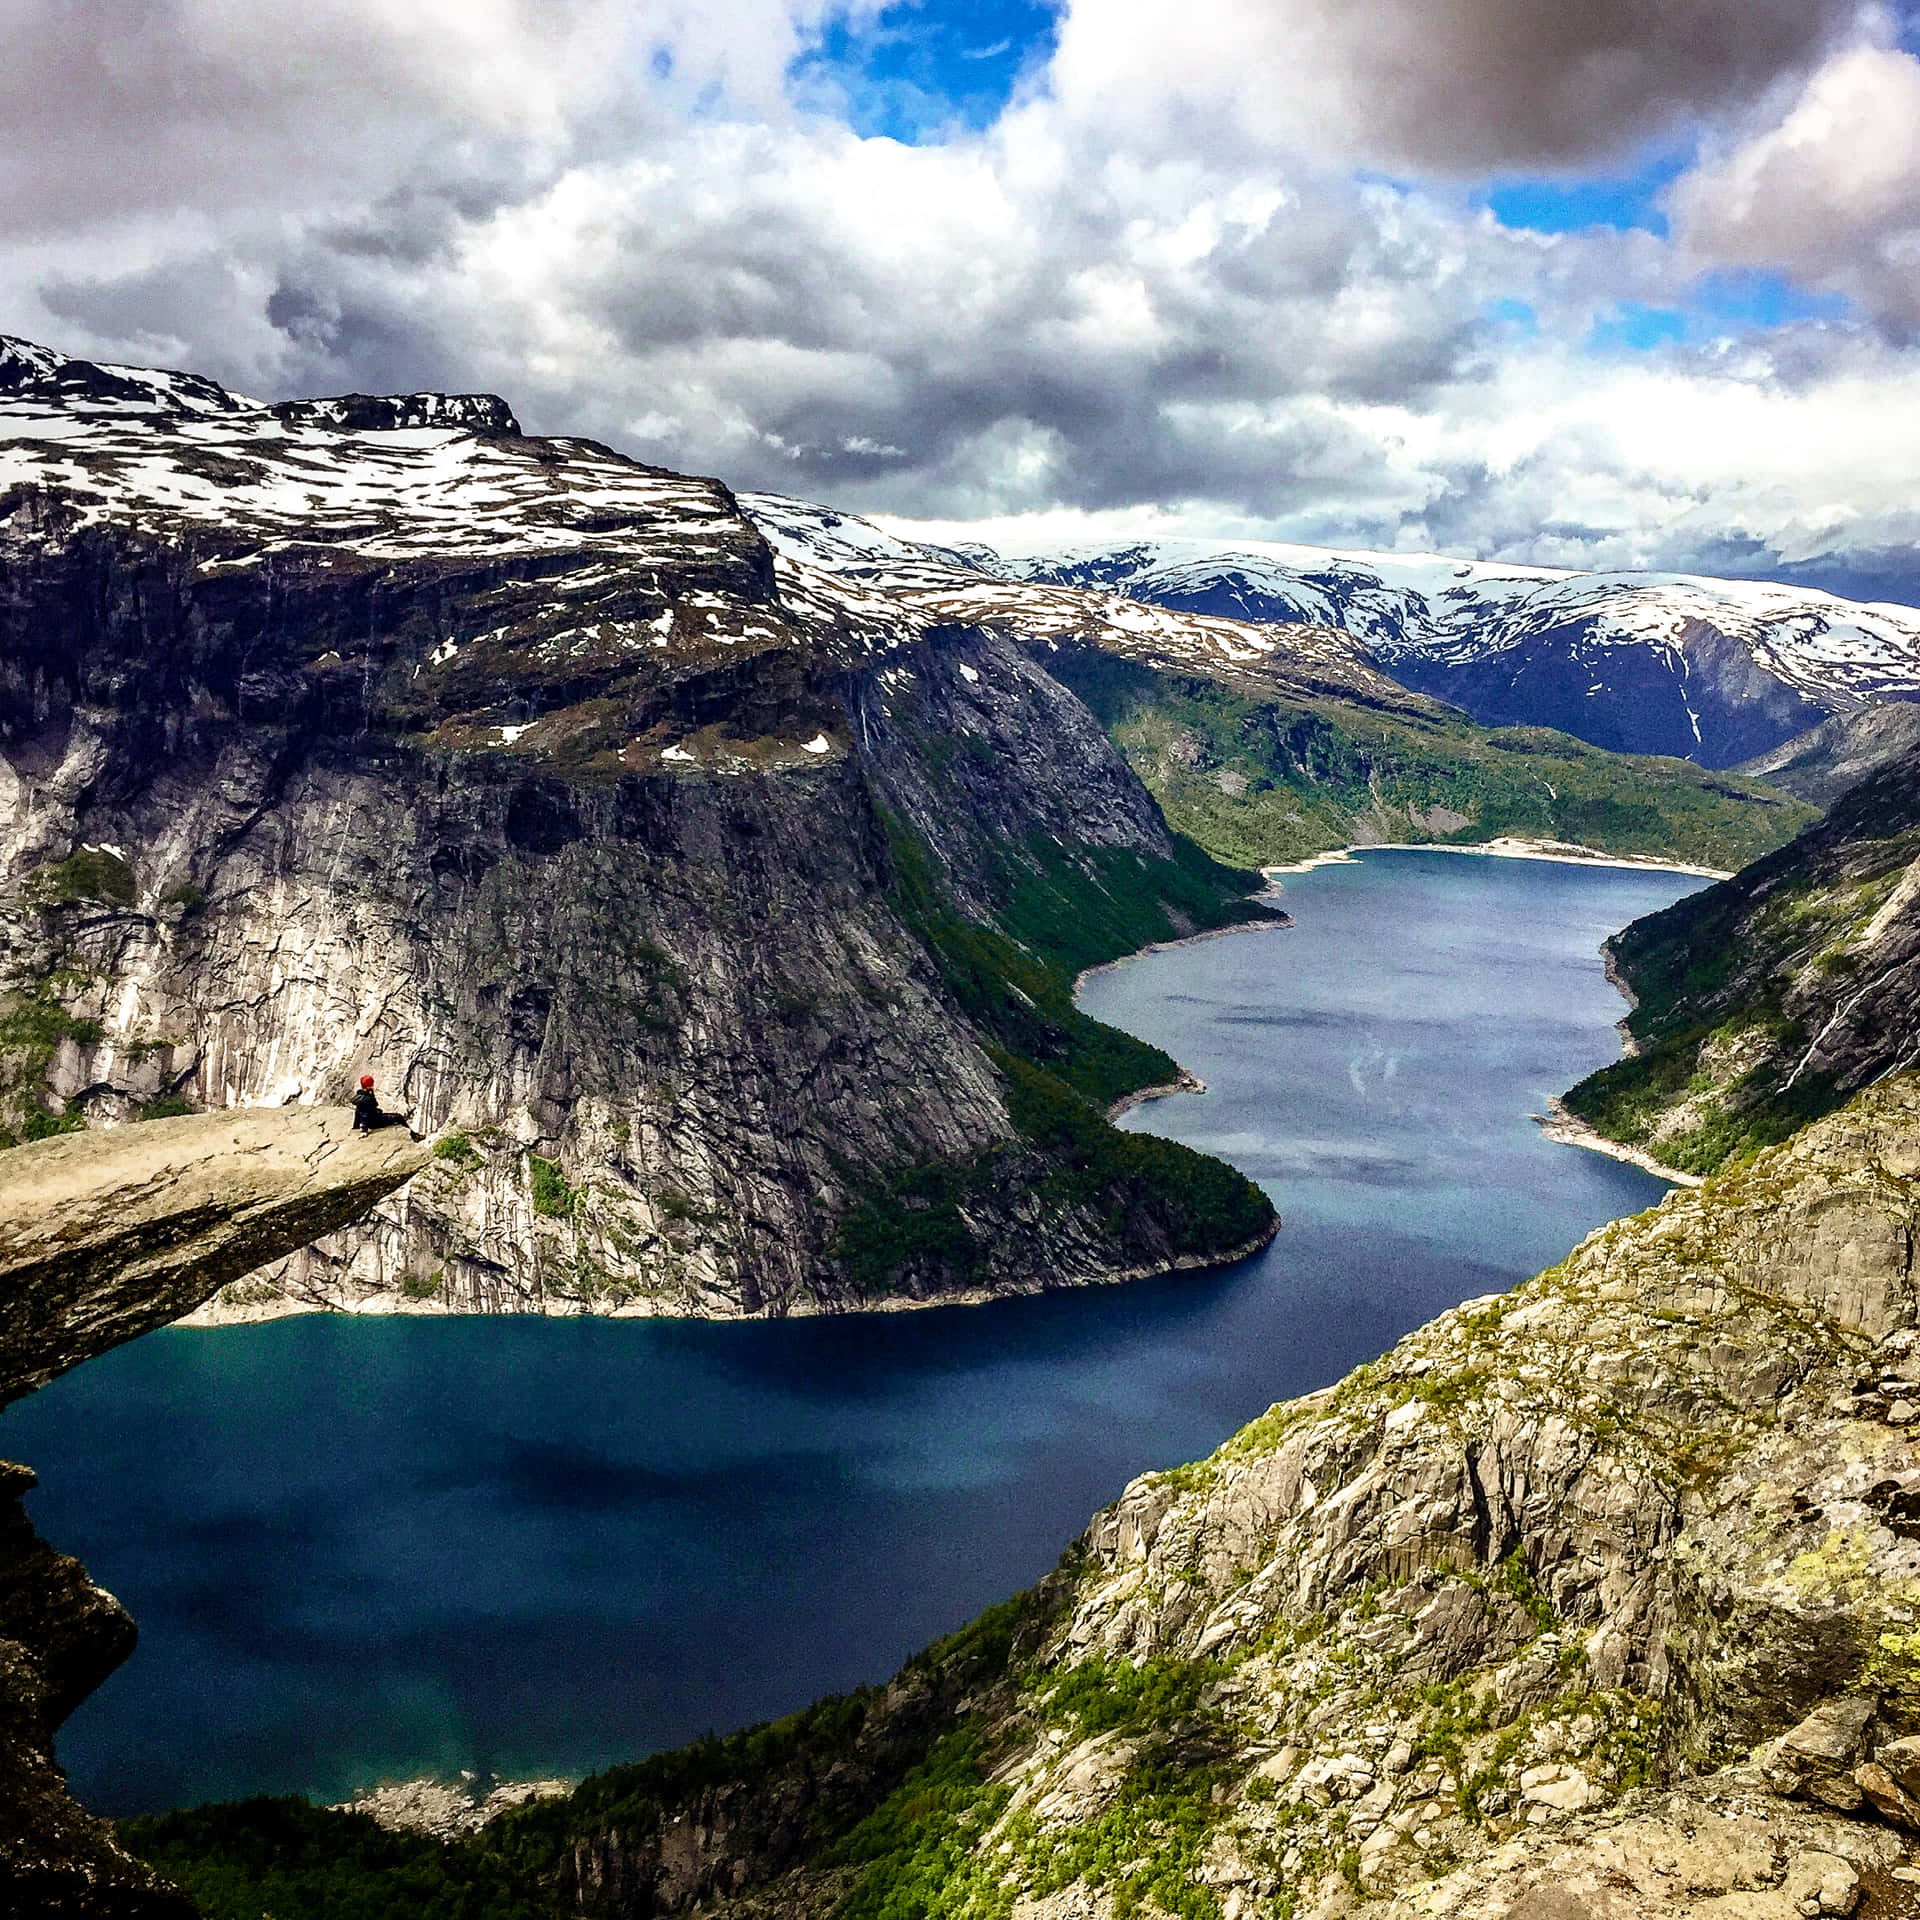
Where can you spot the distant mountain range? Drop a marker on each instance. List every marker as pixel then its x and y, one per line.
pixel 1716 671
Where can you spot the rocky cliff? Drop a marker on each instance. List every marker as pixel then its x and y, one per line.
pixel 1820 765
pixel 723 915
pixel 1598 1598
pixel 102 1237
pixel 1771 997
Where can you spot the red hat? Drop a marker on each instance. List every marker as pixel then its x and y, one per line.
pixel 366 1080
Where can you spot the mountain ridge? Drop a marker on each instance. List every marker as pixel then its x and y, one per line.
pixel 1710 669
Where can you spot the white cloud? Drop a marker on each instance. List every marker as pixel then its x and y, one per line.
pixel 1830 193
pixel 1146 297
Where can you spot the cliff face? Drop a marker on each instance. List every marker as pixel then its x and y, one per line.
pixel 1821 764
pixel 1595 1599
pixel 1770 998
pixel 103 1237
pixel 370 735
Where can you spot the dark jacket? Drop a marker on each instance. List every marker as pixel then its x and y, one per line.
pixel 366 1111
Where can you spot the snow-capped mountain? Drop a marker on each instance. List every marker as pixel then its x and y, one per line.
pixel 1716 670
pixel 946 586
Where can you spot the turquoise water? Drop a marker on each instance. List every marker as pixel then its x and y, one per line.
pixel 360 1549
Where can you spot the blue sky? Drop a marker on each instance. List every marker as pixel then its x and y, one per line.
pixel 917 72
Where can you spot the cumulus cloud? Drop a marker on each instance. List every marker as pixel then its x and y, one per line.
pixel 1830 193
pixel 1155 292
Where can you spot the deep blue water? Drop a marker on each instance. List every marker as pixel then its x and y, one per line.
pixel 360 1549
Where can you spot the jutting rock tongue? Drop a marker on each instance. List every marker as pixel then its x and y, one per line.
pixel 102 1237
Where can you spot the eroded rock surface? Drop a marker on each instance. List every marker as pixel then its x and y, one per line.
pixel 375 736
pixel 1598 1598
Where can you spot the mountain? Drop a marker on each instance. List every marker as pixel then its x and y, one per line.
pixel 720 916
pixel 1592 1601
pixel 1712 670
pixel 1268 741
pixel 1821 764
pixel 1768 999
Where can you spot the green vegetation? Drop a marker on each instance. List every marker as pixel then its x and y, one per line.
pixel 1731 986
pixel 916 1846
pixel 1259 780
pixel 911 1221
pixel 42 1124
pixel 459 1151
pixel 552 1196
pixel 1210 1206
pixel 93 874
pixel 1146 1846
pixel 292 1861
pixel 1099 1695
pixel 32 1029
pixel 1062 910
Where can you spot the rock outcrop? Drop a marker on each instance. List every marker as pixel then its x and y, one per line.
pixel 103 1237
pixel 1768 999
pixel 1600 1597
pixel 687 890
pixel 1820 765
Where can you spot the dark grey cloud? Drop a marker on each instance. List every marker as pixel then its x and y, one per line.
pixel 1459 86
pixel 1472 84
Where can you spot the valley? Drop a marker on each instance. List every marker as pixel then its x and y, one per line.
pixel 713 882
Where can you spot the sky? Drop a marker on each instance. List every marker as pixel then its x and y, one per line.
pixel 1632 283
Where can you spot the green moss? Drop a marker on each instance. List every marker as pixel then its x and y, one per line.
pixel 459 1151
pixel 92 874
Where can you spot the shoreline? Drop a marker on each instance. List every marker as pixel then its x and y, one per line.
pixel 1564 853
pixel 1275 919
pixel 1187 1083
pixel 1567 1129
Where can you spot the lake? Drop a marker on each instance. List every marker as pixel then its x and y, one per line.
pixel 361 1549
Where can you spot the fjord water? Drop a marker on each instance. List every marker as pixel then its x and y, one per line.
pixel 366 1548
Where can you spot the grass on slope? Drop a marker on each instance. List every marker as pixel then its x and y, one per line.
pixel 1732 984
pixel 1063 909
pixel 1260 781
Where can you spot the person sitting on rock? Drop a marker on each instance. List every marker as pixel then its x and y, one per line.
pixel 366 1108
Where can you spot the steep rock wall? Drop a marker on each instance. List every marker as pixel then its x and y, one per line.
pixel 102 1237
pixel 586 845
